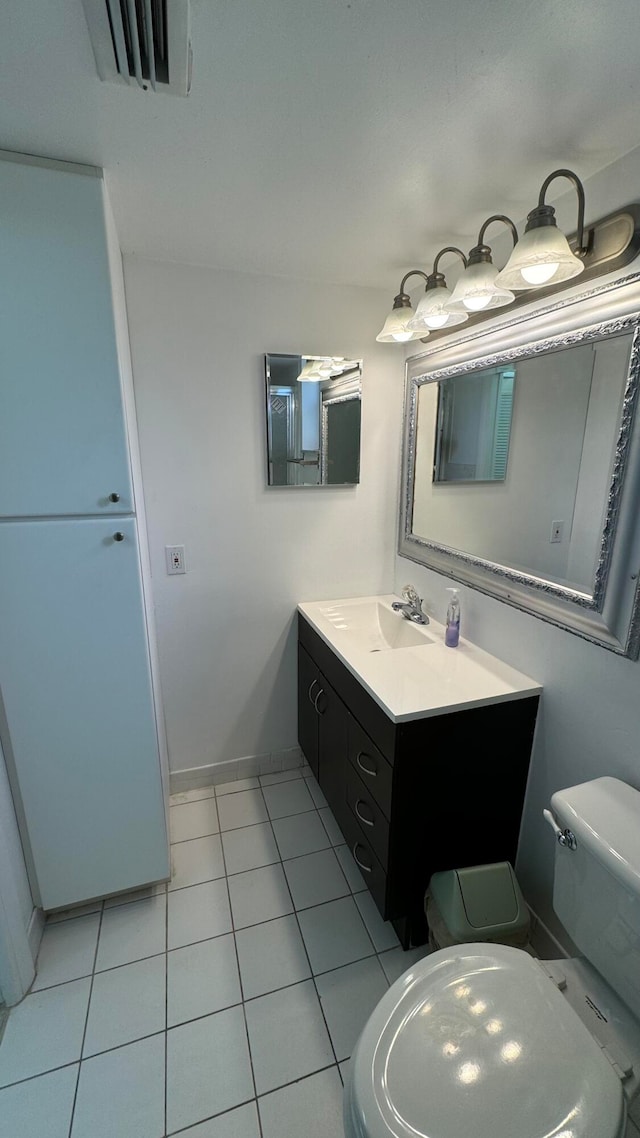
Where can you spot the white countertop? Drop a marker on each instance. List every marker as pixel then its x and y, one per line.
pixel 413 682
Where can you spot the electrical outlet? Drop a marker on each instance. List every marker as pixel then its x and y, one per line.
pixel 556 531
pixel 174 557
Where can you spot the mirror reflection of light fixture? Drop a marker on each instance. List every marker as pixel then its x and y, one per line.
pixel 542 259
pixel 310 372
pixel 433 310
pixel 476 289
pixel 318 368
pixel 543 255
pixel 331 367
pixel 395 328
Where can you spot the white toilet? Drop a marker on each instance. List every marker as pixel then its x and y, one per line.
pixel 483 1041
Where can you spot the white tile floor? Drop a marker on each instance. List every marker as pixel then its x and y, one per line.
pixel 223 1006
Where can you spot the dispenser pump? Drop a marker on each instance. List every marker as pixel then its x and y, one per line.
pixel 452 633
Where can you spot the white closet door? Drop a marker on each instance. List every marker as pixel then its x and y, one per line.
pixel 79 728
pixel 63 446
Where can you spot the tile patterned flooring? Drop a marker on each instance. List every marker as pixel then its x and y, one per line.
pixel 223 1005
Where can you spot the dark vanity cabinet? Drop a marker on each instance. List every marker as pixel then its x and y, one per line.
pixel 414 797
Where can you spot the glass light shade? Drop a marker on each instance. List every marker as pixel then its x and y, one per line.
pixel 433 311
pixel 395 329
pixel 541 256
pixel 477 290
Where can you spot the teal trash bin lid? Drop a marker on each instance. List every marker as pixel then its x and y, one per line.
pixel 480 902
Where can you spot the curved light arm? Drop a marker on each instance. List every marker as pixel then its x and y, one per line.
pixel 411 273
pixel 579 188
pixel 447 249
pixel 497 217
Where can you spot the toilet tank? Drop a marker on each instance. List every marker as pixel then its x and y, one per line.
pixel 596 891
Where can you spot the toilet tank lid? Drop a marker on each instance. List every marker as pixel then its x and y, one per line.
pixel 604 814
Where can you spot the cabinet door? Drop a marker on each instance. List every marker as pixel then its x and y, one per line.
pixel 333 760
pixel 308 687
pixel 63 445
pixel 79 727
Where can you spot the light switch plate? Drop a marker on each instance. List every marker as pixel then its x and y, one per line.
pixel 174 558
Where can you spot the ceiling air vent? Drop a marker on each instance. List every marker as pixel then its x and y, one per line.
pixel 143 42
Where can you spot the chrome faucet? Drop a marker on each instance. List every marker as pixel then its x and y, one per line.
pixel 411 606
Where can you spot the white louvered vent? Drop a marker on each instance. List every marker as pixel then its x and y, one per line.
pixel 143 42
pixel 502 426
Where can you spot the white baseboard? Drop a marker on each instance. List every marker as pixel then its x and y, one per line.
pixel 249 766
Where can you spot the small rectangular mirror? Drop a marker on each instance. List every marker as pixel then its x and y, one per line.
pixel 313 420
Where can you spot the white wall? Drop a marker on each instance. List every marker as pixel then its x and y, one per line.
pixel 226 630
pixel 588 724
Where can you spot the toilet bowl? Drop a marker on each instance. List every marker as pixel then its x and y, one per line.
pixel 486 1041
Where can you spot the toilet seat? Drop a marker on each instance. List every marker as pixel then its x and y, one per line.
pixel 476 1041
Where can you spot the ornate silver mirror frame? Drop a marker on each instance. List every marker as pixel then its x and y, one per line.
pixel 348 393
pixel 609 613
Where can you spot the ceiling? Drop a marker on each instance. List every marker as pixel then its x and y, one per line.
pixel 333 140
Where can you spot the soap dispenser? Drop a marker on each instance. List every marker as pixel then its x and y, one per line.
pixel 452 633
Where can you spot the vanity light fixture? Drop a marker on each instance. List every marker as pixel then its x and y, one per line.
pixel 543 255
pixel 543 260
pixel 395 328
pixel 476 289
pixel 433 310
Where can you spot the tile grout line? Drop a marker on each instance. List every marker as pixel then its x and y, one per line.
pixel 244 1013
pixel 249 1101
pixel 296 773
pixel 209 1118
pixel 165 892
pixel 246 825
pixel 295 915
pixel 269 920
pixel 306 952
pixel 352 895
pixel 205 1015
pixel 86 1023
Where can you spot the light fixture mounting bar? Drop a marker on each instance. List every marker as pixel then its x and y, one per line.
pixel 612 243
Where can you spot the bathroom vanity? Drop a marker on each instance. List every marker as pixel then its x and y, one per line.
pixel 422 751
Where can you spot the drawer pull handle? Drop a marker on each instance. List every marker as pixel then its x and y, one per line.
pixel 366 821
pixel 311 689
pixel 373 771
pixel 367 868
pixel 315 702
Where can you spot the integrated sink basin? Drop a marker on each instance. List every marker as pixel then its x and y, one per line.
pixel 406 667
pixel 373 626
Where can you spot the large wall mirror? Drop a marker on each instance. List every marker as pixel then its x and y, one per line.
pixel 313 420
pixel 522 472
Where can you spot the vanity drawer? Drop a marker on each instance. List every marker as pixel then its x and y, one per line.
pixel 372 767
pixel 368 815
pixel 372 872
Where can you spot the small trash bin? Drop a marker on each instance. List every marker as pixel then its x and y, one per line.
pixel 479 903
